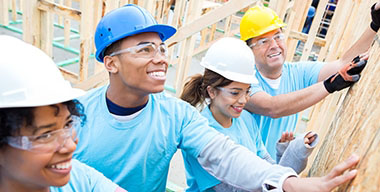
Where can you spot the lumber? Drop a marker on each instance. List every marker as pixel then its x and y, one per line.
pixel 208 19
pixel 313 30
pixel 86 37
pixel 355 129
pixel 61 10
pixel 4 18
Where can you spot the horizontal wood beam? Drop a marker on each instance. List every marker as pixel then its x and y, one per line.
pixel 60 10
pixel 93 81
pixel 208 19
pixel 303 37
pixel 68 75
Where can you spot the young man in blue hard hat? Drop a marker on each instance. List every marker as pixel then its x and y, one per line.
pixel 285 88
pixel 133 129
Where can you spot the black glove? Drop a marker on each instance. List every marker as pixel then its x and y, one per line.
pixel 357 67
pixel 337 83
pixel 346 77
pixel 375 14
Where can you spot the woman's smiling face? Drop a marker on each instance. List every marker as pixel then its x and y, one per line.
pixel 36 169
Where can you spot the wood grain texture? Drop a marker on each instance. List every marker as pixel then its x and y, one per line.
pixel 356 129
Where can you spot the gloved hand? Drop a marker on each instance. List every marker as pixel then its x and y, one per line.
pixel 346 76
pixel 375 14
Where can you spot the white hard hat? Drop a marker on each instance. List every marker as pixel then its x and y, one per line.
pixel 231 58
pixel 29 77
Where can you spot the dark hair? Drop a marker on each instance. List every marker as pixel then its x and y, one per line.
pixel 13 119
pixel 115 46
pixel 195 90
pixel 248 41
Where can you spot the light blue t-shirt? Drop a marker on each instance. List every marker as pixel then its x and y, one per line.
pixel 85 178
pixel 136 154
pixel 243 131
pixel 295 76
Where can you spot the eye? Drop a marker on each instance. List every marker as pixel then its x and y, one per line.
pixel 69 124
pixel 144 50
pixel 162 49
pixel 262 41
pixel 43 137
pixel 278 37
pixel 234 93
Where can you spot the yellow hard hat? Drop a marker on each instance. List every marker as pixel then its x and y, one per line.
pixel 259 20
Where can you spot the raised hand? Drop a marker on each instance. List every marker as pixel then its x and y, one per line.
pixel 286 137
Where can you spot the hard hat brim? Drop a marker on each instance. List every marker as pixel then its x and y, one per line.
pixel 238 77
pixel 46 99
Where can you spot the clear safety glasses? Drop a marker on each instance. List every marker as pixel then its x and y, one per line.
pixel 264 42
pixel 48 142
pixel 236 93
pixel 146 50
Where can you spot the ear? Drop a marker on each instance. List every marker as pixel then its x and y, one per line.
pixel 211 92
pixel 112 63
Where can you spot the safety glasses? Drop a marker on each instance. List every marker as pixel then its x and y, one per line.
pixel 235 93
pixel 264 42
pixel 48 142
pixel 146 50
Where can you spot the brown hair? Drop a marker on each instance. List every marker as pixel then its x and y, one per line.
pixel 195 90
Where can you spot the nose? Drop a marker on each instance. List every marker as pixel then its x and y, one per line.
pixel 273 43
pixel 160 58
pixel 243 99
pixel 69 143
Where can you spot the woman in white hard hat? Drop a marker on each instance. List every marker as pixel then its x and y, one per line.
pixel 229 73
pixel 38 112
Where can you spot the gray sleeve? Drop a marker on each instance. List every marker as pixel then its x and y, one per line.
pixel 296 154
pixel 280 149
pixel 239 167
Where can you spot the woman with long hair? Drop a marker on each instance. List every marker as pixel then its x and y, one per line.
pixel 225 87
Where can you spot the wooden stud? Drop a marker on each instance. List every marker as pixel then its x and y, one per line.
pixel 86 35
pixel 194 10
pixel 94 81
pixel 32 21
pixel 46 34
pixel 4 17
pixel 227 26
pixel 110 5
pixel 68 75
pixel 336 30
pixel 297 19
pixel 14 10
pixel 62 10
pixel 60 18
pixel 67 26
pixel 313 30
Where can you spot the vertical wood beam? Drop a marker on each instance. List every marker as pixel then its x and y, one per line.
pixel 67 26
pixel 4 17
pixel 86 37
pixel 31 23
pixel 314 29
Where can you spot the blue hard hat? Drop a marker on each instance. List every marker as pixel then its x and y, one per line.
pixel 127 21
pixel 311 12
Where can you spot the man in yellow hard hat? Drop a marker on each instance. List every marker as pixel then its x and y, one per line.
pixel 285 88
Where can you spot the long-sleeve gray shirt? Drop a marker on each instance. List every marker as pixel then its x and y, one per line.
pixel 253 173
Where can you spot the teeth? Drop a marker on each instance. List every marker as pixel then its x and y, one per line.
pixel 274 55
pixel 158 74
pixel 65 165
